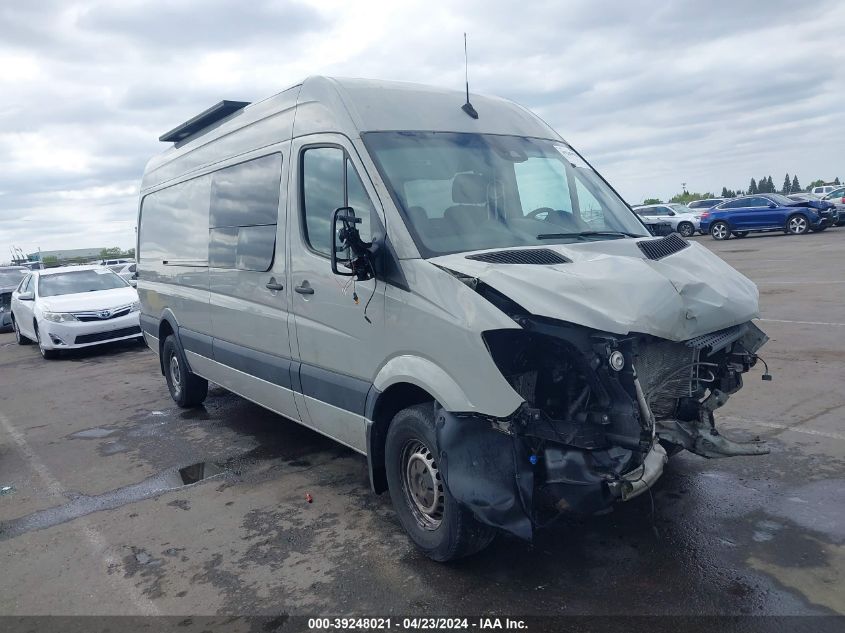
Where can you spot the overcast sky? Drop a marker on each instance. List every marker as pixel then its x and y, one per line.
pixel 654 94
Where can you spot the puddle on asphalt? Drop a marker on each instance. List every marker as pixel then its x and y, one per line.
pixel 197 472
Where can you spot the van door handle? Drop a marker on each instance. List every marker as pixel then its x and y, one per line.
pixel 304 289
pixel 272 285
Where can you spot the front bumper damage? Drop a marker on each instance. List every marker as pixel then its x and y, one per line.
pixel 590 432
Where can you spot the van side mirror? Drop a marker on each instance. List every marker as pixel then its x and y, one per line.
pixel 26 296
pixel 346 239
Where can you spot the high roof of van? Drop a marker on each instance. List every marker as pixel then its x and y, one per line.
pixel 346 106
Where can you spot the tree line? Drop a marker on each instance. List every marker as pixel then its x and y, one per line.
pixel 764 185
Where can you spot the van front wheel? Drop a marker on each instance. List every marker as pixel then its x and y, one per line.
pixel 186 389
pixel 436 523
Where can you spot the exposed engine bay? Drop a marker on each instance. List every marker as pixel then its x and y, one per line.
pixel 601 413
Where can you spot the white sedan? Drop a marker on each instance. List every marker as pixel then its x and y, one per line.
pixel 73 307
pixel 126 271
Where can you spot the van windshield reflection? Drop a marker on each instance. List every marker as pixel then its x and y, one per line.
pixel 463 192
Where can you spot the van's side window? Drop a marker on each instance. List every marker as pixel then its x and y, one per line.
pixel 244 213
pixel 329 181
pixel 174 222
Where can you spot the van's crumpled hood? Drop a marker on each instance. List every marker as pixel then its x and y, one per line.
pixel 611 286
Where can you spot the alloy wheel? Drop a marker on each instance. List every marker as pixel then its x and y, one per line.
pixel 798 225
pixel 720 231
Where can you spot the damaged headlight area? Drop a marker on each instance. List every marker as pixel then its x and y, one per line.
pixel 600 414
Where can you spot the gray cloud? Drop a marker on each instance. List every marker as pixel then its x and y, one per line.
pixel 704 93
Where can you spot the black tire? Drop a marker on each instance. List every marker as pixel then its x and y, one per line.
pixel 740 234
pixel 686 229
pixel 797 224
pixel 47 354
pixel 20 338
pixel 448 531
pixel 186 388
pixel 720 231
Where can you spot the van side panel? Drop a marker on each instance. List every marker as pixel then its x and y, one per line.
pixel 173 253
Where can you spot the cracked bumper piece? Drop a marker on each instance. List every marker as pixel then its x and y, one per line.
pixel 505 484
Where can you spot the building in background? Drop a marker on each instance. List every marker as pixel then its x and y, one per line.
pixel 66 256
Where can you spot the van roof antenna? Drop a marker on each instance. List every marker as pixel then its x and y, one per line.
pixel 467 107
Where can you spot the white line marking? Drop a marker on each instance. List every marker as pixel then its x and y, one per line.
pixel 800 322
pixel 95 539
pixel 801 283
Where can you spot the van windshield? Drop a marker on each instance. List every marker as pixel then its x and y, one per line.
pixel 463 192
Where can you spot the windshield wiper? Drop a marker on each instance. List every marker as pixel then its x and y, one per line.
pixel 553 236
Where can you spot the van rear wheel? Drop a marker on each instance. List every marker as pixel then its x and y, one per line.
pixel 186 388
pixel 436 523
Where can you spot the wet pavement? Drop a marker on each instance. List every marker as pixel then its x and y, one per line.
pixel 114 501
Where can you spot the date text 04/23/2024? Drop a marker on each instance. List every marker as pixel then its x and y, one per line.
pixel 416 624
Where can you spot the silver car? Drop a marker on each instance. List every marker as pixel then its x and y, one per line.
pixel 837 197
pixel 681 218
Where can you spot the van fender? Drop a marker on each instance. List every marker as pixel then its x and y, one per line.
pixel 166 316
pixel 426 375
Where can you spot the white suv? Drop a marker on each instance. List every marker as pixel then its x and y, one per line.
pixel 821 192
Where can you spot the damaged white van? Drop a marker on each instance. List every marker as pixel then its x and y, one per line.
pixel 446 287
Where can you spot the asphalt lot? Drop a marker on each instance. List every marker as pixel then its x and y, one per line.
pixel 99 521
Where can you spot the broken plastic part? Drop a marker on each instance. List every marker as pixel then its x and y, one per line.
pixel 702 439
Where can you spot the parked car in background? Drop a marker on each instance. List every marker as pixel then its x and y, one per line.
pixel 766 212
pixel 678 216
pixel 10 278
pixel 837 198
pixel 71 307
pixel 822 191
pixel 126 272
pixel 708 203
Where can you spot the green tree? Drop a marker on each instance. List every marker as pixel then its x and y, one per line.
pixel 815 183
pixel 111 253
pixel 686 197
pixel 796 186
pixel 836 181
pixel 787 185
pixel 725 192
pixel 752 187
pixel 130 252
pixel 652 201
pixel 770 185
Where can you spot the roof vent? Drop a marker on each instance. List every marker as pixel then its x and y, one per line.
pixel 214 114
pixel 665 246
pixel 539 256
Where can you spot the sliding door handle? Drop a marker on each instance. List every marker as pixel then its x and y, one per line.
pixel 304 289
pixel 272 285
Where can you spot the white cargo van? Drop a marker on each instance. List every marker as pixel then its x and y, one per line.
pixel 449 289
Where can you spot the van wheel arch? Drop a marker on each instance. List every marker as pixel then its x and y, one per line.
pixel 165 329
pixel 385 406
